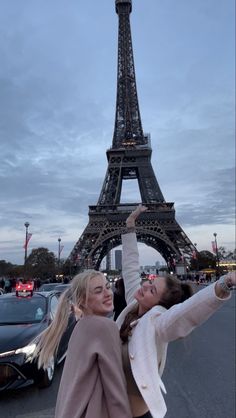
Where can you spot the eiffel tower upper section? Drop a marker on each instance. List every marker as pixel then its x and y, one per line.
pixel 130 155
pixel 128 126
pixel 129 158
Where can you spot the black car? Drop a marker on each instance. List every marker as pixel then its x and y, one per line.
pixel 60 288
pixel 47 287
pixel 23 316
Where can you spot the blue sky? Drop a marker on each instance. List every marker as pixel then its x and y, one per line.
pixel 57 109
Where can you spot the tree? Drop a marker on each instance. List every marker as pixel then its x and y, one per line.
pixel 4 268
pixel 41 263
pixel 205 259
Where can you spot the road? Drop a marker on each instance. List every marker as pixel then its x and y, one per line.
pixel 199 376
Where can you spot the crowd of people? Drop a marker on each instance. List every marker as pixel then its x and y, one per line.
pixel 114 369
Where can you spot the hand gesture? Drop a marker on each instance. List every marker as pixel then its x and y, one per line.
pixel 130 221
pixel 230 278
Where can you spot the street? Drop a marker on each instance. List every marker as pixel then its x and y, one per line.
pixel 199 376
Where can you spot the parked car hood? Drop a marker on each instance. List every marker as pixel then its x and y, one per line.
pixel 19 335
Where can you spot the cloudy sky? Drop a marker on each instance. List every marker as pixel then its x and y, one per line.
pixel 57 108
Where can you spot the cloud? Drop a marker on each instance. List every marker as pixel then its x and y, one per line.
pixel 57 109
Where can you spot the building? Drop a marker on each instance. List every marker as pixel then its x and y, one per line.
pixel 118 260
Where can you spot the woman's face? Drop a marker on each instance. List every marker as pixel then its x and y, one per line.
pixel 100 296
pixel 150 294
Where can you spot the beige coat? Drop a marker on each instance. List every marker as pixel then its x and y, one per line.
pixel 151 334
pixel 93 383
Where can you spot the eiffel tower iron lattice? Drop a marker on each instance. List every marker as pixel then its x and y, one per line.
pixel 129 158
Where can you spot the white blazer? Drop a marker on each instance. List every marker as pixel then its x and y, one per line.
pixel 148 346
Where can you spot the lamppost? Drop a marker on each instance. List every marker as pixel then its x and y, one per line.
pixel 196 256
pixel 26 239
pixel 217 255
pixel 59 253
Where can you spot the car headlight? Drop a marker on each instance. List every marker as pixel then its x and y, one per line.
pixel 7 353
pixel 28 350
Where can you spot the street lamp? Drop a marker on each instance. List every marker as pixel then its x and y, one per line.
pixel 26 239
pixel 217 255
pixel 59 252
pixel 196 256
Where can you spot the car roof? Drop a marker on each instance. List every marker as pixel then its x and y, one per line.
pixel 35 295
pixel 49 284
pixel 62 286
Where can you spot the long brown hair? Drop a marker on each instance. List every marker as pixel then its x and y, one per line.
pixel 176 292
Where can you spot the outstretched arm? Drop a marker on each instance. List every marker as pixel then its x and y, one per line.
pixel 130 221
pixel 130 255
pixel 182 318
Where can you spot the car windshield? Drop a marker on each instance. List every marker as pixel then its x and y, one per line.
pixel 22 310
pixel 61 287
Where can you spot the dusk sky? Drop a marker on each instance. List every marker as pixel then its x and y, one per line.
pixel 57 109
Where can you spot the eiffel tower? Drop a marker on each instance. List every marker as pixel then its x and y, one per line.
pixel 129 158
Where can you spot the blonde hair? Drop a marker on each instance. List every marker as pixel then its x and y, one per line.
pixel 76 295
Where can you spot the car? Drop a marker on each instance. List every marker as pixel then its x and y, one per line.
pixel 60 288
pixel 23 316
pixel 46 287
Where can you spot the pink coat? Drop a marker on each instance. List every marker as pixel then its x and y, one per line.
pixel 93 383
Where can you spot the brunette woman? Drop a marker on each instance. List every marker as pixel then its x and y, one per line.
pixel 157 312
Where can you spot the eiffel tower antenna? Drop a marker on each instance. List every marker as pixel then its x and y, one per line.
pixel 129 158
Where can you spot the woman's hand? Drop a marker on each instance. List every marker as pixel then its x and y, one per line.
pixel 230 279
pixel 225 284
pixel 130 221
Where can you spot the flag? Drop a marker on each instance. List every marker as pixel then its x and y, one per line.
pixel 213 246
pixel 61 248
pixel 194 255
pixel 28 236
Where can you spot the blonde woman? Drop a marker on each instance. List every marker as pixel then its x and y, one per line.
pixel 157 313
pixel 92 384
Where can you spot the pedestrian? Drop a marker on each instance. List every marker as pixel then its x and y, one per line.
pixel 157 312
pixel 93 382
pixel 119 298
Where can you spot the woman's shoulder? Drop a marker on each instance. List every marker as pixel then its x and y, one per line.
pixel 100 330
pixel 154 312
pixel 97 322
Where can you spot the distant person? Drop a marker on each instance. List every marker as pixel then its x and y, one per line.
pixel 2 283
pixel 119 298
pixel 7 287
pixel 158 312
pixel 93 382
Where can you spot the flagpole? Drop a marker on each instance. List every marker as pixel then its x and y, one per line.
pixel 26 240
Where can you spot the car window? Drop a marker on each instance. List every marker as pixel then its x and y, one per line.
pixel 47 287
pixel 53 306
pixel 22 310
